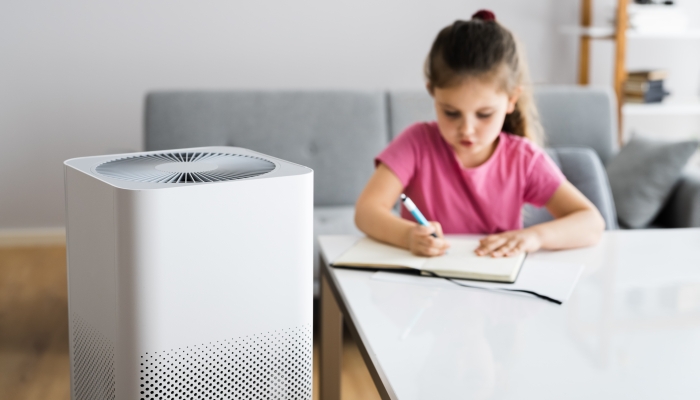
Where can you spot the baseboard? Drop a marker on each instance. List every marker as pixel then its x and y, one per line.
pixel 32 237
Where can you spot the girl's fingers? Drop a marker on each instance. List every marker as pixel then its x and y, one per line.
pixel 491 238
pixel 438 228
pixel 445 245
pixel 516 250
pixel 488 246
pixel 427 251
pixel 434 251
pixel 490 241
pixel 430 241
pixel 427 241
pixel 437 247
pixel 505 248
pixel 426 245
pixel 425 230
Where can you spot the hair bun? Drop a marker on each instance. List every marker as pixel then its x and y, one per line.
pixel 484 15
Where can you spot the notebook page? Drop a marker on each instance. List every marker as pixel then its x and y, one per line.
pixel 462 261
pixel 370 253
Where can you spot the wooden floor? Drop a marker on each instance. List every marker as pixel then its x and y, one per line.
pixel 34 331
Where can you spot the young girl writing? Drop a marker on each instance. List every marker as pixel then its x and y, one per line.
pixel 472 170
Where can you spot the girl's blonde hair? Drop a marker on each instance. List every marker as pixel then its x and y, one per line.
pixel 484 49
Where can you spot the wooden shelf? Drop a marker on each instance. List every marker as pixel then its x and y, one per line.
pixel 670 107
pixel 593 32
pixel 608 32
pixel 619 33
pixel 686 34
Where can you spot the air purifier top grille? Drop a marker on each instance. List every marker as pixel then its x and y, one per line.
pixel 185 167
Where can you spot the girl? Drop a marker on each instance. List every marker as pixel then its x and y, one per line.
pixel 472 170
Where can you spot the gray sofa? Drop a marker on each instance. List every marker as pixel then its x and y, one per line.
pixel 338 133
pixel 580 116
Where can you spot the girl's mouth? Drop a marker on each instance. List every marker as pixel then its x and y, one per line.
pixel 466 143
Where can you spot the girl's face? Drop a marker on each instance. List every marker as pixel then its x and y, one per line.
pixel 470 117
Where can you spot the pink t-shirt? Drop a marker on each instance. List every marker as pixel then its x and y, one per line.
pixel 485 199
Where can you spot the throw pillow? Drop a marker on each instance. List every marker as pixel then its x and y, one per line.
pixel 642 176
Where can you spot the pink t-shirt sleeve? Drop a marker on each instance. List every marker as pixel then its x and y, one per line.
pixel 543 179
pixel 402 154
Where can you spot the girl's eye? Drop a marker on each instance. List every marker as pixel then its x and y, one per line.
pixel 484 116
pixel 452 114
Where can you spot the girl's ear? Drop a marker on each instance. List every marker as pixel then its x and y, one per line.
pixel 513 99
pixel 429 87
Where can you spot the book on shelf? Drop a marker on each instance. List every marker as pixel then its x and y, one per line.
pixel 649 97
pixel 647 75
pixel 652 95
pixel 646 86
pixel 642 87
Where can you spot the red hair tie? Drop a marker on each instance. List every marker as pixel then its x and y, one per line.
pixel 484 15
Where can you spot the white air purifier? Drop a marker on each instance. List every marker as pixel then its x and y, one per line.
pixel 190 275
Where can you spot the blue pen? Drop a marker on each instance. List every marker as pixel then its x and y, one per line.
pixel 411 207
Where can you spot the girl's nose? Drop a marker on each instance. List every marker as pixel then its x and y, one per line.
pixel 467 127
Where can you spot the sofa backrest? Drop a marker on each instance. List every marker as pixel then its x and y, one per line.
pixel 336 133
pixel 572 116
pixel 579 116
pixel 407 107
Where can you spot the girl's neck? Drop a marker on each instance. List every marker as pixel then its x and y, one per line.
pixel 473 160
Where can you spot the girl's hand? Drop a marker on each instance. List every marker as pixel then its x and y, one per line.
pixel 510 243
pixel 421 243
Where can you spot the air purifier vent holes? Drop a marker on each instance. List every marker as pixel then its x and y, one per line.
pixel 93 363
pixel 272 365
pixel 185 167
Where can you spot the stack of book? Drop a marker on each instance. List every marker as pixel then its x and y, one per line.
pixel 645 86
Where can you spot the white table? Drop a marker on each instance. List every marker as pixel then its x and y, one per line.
pixel 631 328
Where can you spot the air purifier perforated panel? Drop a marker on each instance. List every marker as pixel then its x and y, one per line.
pixel 185 167
pixel 93 355
pixel 272 365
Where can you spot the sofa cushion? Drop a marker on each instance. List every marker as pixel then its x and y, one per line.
pixel 337 134
pixel 583 169
pixel 643 175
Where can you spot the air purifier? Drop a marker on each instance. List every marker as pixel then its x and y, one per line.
pixel 189 275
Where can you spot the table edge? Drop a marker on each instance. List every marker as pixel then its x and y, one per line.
pixel 378 376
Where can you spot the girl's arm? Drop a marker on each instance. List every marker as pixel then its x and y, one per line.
pixel 577 224
pixel 373 216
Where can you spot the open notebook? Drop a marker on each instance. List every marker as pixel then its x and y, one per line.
pixel 460 262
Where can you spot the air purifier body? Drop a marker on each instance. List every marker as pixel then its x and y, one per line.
pixel 189 275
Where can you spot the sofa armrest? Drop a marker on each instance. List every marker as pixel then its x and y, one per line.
pixel 583 169
pixel 683 207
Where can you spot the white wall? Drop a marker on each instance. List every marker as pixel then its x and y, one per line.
pixel 73 73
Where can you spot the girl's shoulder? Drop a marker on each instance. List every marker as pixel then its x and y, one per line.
pixel 421 130
pixel 523 154
pixel 421 134
pixel 520 146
